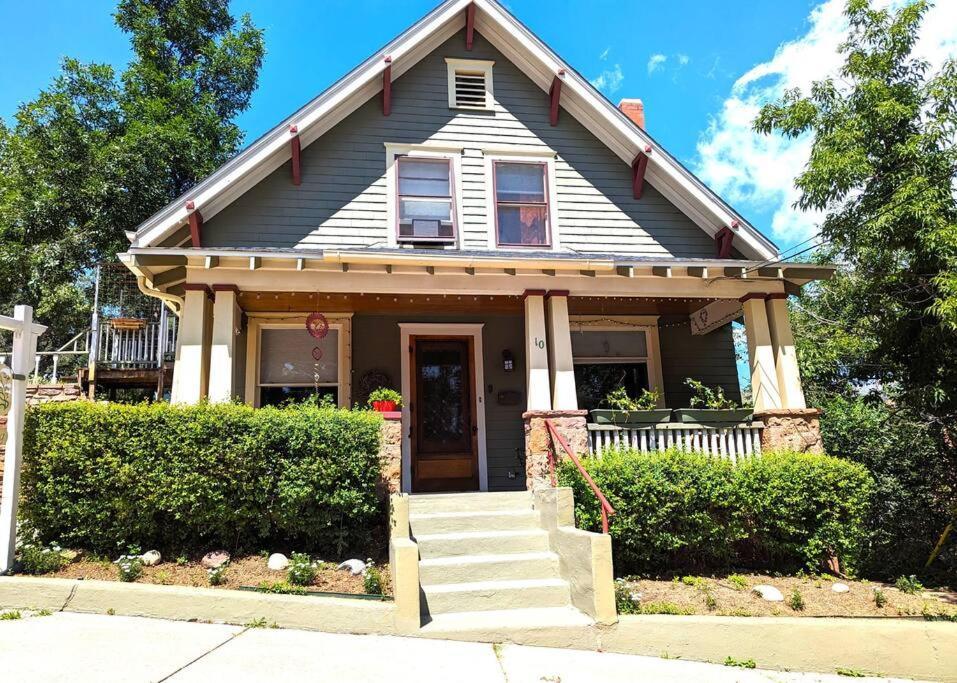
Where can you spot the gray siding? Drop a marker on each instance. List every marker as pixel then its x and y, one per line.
pixel 342 199
pixel 708 358
pixel 375 345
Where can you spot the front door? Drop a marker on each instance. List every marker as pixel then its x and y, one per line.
pixel 444 434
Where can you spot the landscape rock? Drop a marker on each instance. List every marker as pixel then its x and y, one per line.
pixel 840 588
pixel 215 559
pixel 151 558
pixel 277 562
pixel 355 567
pixel 769 593
pixel 69 555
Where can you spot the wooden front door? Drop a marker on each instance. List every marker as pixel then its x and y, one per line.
pixel 444 436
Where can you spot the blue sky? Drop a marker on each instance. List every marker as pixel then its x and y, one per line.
pixel 702 67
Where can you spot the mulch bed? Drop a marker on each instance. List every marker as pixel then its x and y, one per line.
pixel 250 570
pixel 689 595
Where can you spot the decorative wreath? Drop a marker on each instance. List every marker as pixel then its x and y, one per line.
pixel 317 325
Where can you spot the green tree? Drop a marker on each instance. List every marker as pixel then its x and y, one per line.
pixel 96 153
pixel 878 343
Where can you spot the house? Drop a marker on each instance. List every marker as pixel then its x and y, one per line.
pixel 465 219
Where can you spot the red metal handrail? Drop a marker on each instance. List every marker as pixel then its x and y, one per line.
pixel 606 508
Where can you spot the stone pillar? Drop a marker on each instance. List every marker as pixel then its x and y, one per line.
pixel 785 357
pixel 390 455
pixel 538 442
pixel 191 370
pixel 791 429
pixel 536 352
pixel 227 319
pixel 764 378
pixel 560 362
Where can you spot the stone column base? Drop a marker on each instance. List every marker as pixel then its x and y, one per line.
pixel 569 423
pixel 390 455
pixel 791 429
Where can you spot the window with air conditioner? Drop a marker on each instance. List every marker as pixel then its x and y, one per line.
pixel 424 197
pixel 470 83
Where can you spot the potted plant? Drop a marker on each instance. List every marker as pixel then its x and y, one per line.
pixel 710 406
pixel 385 400
pixel 623 409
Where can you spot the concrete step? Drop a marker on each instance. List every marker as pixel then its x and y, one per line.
pixel 463 569
pixel 450 522
pixel 512 625
pixel 481 543
pixel 430 503
pixel 480 596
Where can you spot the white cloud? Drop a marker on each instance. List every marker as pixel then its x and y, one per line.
pixel 604 55
pixel 758 171
pixel 609 81
pixel 655 62
pixel 683 59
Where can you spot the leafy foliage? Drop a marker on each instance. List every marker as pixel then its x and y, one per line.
pixel 302 570
pixel 96 153
pixel 677 509
pixel 100 476
pixel 619 399
pixel 703 396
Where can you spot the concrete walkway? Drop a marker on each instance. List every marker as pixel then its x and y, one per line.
pixel 87 647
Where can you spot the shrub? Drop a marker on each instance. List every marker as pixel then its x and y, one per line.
pixel 39 559
pixel 302 570
pixel 280 588
pixel 879 598
pixel 188 477
pixel 129 567
pixel 677 509
pixel 372 580
pixel 909 585
pixel 217 575
pixel 674 509
pixel 796 600
pixel 800 508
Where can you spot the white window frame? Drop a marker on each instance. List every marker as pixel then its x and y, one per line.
pixel 454 64
pixel 545 156
pixel 625 323
pixel 341 322
pixel 392 152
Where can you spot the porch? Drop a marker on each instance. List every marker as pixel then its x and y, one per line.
pixel 482 355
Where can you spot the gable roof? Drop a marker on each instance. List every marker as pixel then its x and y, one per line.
pixel 514 40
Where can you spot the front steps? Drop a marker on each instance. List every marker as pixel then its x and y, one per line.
pixel 484 552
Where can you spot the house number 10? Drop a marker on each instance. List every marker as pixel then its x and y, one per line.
pixel 540 343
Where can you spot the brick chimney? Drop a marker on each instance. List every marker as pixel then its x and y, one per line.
pixel 634 110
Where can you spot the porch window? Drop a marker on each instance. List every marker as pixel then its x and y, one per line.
pixel 425 199
pixel 521 204
pixel 289 370
pixel 605 360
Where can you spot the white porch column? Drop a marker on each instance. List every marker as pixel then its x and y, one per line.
pixel 222 354
pixel 25 333
pixel 561 366
pixel 536 352
pixel 191 371
pixel 785 358
pixel 764 378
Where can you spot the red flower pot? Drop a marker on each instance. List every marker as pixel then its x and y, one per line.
pixel 384 406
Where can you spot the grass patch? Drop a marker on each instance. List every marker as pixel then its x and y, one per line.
pixel 664 607
pixel 738 582
pixel 850 673
pixel 11 615
pixel 280 588
pixel 740 663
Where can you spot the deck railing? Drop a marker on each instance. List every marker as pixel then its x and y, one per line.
pixel 733 442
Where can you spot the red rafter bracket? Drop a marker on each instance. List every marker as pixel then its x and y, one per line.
pixel 469 26
pixel 296 151
pixel 555 94
pixel 195 225
pixel 387 87
pixel 606 509
pixel 722 242
pixel 638 168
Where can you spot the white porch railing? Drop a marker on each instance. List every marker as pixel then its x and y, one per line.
pixel 733 442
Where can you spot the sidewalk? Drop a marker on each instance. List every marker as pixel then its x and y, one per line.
pixel 87 647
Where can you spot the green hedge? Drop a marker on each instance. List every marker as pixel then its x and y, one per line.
pixel 687 510
pixel 183 478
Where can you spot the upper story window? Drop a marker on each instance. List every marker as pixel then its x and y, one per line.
pixel 424 197
pixel 521 204
pixel 470 83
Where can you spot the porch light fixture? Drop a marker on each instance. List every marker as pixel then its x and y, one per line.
pixel 508 360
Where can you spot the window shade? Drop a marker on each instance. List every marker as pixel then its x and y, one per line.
pixel 286 357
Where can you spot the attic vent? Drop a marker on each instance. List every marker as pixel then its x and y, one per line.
pixel 470 84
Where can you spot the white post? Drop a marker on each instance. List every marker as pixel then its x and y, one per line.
pixel 536 352
pixel 785 357
pixel 56 362
pixel 25 334
pixel 560 362
pixel 226 315
pixel 764 377
pixel 191 371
